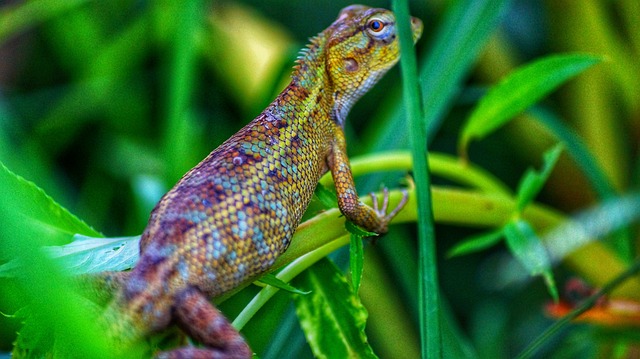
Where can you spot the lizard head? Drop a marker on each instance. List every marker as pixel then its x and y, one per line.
pixel 361 46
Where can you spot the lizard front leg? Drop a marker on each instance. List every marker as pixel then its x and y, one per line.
pixel 372 219
pixel 205 323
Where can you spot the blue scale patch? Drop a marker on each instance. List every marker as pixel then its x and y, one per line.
pixel 183 270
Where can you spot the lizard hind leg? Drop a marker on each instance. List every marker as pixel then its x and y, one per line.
pixel 205 323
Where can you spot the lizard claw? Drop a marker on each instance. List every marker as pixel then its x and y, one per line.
pixel 381 210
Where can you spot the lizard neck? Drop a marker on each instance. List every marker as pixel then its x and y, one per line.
pixel 310 69
pixel 312 78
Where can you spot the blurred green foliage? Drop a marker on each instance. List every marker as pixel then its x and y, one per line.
pixel 105 104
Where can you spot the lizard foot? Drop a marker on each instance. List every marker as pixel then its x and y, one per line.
pixel 381 210
pixel 205 323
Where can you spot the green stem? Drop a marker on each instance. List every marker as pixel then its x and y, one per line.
pixel 286 275
pixel 325 232
pixel 440 164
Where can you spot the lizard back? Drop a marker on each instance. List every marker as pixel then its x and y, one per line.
pixel 230 216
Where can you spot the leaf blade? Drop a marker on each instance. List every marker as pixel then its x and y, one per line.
pixel 527 247
pixel 476 243
pixel 47 220
pixel 356 261
pixel 521 89
pixel 272 280
pixel 332 317
pixel 533 181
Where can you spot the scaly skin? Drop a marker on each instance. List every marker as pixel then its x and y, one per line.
pixel 229 217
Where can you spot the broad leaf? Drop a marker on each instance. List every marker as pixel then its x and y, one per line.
pixel 92 255
pixel 332 317
pixel 39 215
pixel 42 287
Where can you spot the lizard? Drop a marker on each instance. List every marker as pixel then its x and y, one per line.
pixel 229 217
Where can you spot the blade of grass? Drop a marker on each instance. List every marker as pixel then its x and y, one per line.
pixel 179 137
pixel 429 307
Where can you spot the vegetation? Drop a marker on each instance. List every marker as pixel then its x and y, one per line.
pixel 531 117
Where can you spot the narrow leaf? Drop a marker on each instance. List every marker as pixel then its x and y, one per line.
pixel 476 243
pixel 576 148
pixel 272 280
pixel 332 317
pixel 519 90
pixel 356 252
pixel 356 261
pixel 358 231
pixel 533 180
pixel 525 245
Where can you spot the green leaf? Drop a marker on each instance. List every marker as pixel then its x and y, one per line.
pixel 40 216
pixel 533 180
pixel 332 317
pixel 529 251
pixel 42 286
pixel 326 197
pixel 356 252
pixel 92 255
pixel 272 280
pixel 32 341
pixel 356 261
pixel 89 255
pixel 519 90
pixel 476 243
pixel 358 231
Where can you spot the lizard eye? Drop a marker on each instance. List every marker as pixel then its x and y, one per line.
pixel 379 28
pixel 375 25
